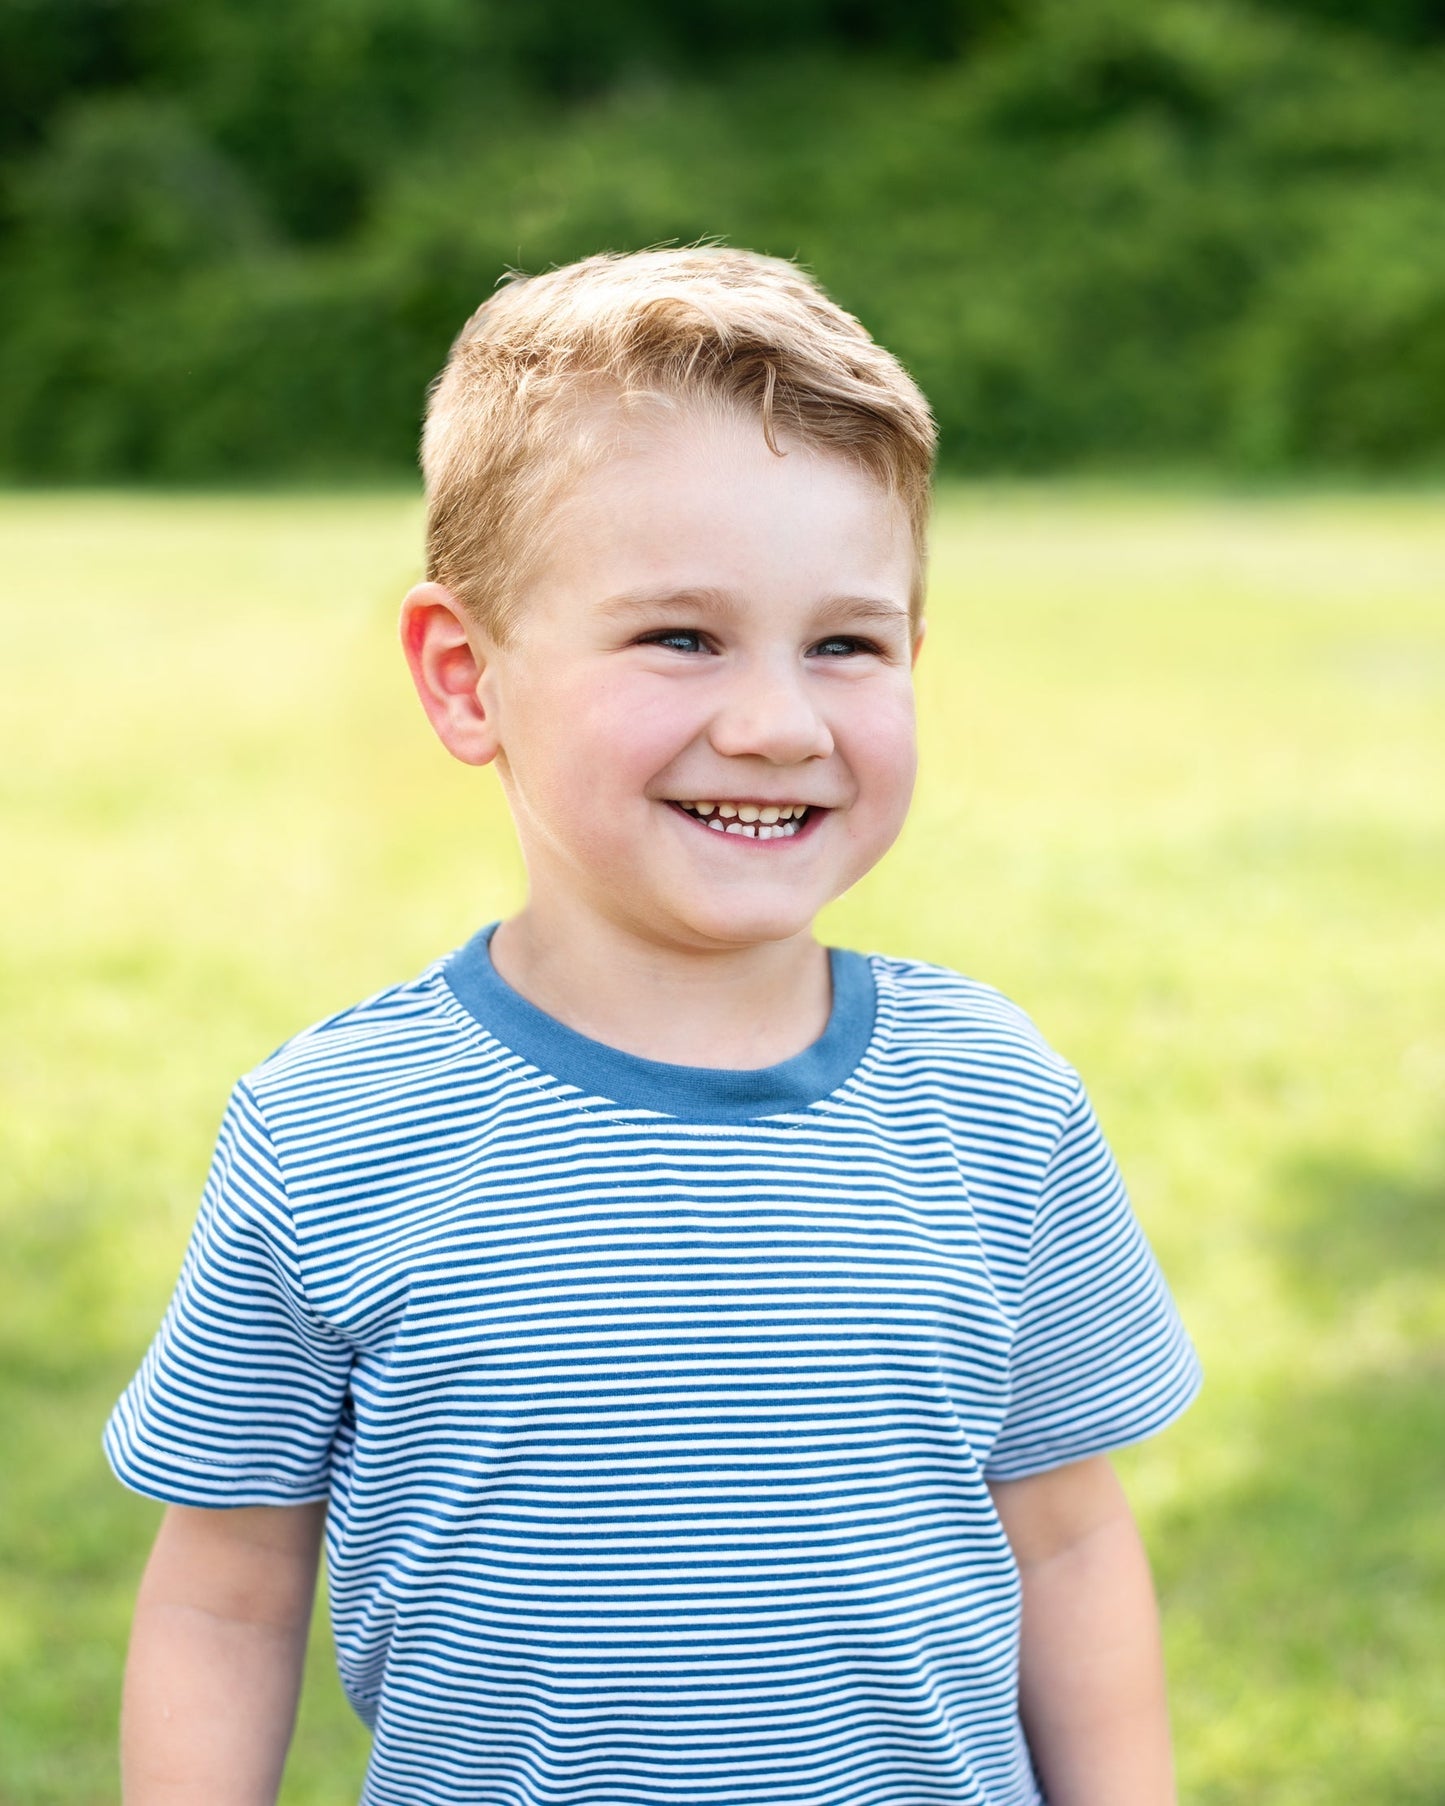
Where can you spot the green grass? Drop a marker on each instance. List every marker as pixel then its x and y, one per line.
pixel 1183 797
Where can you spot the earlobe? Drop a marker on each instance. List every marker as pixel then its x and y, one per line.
pixel 447 656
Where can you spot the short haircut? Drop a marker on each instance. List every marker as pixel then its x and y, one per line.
pixel 507 418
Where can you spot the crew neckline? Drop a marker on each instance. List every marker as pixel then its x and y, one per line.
pixel 690 1093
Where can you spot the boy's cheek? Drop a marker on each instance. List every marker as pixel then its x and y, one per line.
pixel 597 710
pixel 577 733
pixel 887 748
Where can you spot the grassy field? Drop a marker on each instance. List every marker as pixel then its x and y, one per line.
pixel 1183 797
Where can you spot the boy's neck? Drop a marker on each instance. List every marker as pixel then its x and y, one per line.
pixel 733 1008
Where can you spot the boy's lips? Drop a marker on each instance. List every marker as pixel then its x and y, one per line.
pixel 746 819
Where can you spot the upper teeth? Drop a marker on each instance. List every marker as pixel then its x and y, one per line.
pixel 768 812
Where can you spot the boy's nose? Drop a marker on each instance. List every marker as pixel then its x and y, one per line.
pixel 768 714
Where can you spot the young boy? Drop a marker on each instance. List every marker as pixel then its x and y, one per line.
pixel 698 1347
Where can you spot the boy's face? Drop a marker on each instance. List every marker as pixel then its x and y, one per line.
pixel 711 633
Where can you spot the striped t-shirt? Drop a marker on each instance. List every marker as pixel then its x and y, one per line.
pixel 655 1405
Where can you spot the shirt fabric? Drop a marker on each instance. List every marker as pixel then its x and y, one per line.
pixel 655 1405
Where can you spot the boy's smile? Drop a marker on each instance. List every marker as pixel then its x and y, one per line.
pixel 755 821
pixel 703 718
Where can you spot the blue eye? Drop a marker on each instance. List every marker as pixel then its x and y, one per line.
pixel 680 639
pixel 843 645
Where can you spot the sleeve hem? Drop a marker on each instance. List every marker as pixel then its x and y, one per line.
pixel 1105 1443
pixel 182 1480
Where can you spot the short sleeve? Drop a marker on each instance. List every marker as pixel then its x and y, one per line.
pixel 241 1392
pixel 1100 1357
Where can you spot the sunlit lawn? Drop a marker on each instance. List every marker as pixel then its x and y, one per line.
pixel 1183 797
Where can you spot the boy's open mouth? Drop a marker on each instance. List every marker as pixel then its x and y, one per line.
pixel 750 821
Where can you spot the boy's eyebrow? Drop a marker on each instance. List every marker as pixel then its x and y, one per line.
pixel 726 603
pixel 866 608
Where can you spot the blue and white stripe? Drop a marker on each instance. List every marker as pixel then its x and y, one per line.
pixel 656 1407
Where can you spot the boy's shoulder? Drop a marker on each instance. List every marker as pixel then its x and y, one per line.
pixel 953 1044
pixel 385 1039
pixel 939 1008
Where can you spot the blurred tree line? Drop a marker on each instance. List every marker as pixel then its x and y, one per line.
pixel 237 236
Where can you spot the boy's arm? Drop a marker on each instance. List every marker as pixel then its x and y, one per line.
pixel 214 1669
pixel 1091 1682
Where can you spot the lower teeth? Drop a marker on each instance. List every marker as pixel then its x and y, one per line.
pixel 754 830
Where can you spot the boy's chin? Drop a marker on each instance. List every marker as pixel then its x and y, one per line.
pixel 729 926
pixel 741 929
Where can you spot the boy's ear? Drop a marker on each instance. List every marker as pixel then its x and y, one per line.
pixel 918 633
pixel 446 654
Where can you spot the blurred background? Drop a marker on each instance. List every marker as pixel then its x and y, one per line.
pixel 1173 275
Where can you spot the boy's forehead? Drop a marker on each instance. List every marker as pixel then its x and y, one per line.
pixel 690 501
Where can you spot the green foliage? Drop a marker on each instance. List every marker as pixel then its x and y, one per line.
pixel 1409 21
pixel 1106 234
pixel 1347 364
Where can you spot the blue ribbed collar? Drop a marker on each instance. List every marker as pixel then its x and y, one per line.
pixel 692 1093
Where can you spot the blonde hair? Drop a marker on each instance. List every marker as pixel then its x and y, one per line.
pixel 508 418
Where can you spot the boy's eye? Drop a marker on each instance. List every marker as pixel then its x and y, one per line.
pixel 842 645
pixel 680 639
